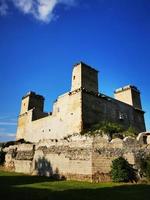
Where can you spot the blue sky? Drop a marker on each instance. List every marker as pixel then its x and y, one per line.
pixel 40 40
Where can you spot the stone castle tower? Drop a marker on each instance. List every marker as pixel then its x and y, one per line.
pixel 85 77
pixel 130 95
pixel 30 101
pixel 79 109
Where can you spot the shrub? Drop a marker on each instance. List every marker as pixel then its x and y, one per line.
pixel 122 171
pixel 145 167
pixel 131 131
pixel 1 144
pixel 108 128
pixel 2 157
pixel 148 169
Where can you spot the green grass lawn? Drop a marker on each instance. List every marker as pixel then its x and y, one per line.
pixel 17 186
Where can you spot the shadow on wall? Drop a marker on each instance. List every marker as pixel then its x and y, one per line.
pixel 44 168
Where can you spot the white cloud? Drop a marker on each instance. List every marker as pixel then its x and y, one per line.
pixel 45 9
pixel 8 117
pixel 8 135
pixel 12 135
pixel 4 117
pixel 3 8
pixel 2 129
pixel 23 5
pixel 7 127
pixel 8 123
pixel 8 120
pixel 42 10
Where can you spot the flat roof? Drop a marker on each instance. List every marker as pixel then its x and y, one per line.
pixel 86 65
pixel 126 88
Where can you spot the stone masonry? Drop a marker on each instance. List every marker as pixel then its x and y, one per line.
pixel 78 157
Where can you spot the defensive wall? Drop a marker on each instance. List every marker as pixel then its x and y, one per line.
pixel 76 157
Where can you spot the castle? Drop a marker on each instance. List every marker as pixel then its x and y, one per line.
pixel 50 152
pixel 79 109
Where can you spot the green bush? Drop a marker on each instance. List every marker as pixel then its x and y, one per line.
pixel 111 128
pixel 2 157
pixel 145 167
pixel 122 171
pixel 148 169
pixel 108 128
pixel 131 131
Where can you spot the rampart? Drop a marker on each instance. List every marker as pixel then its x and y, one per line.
pixel 76 157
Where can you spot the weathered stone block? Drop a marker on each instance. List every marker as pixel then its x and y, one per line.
pixel 25 147
pixel 116 143
pixel 23 166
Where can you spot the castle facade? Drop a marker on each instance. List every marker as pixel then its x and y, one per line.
pixel 79 109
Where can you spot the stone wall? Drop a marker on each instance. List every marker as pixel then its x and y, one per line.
pixel 65 158
pixel 76 158
pixel 64 120
pixel 99 108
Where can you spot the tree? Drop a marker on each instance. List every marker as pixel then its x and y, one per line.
pixel 122 171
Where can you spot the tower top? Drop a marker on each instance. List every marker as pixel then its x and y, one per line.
pixel 130 95
pixel 85 65
pixel 84 76
pixel 33 94
pixel 128 87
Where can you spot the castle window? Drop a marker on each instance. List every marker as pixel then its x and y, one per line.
pixel 24 104
pixel 121 116
pixel 58 110
pixel 74 77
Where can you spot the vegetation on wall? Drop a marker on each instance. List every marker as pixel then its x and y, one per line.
pixel 108 128
pixel 130 132
pixel 122 171
pixel 113 130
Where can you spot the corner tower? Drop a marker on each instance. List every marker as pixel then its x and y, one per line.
pixel 31 109
pixel 84 76
pixel 130 95
pixel 32 100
